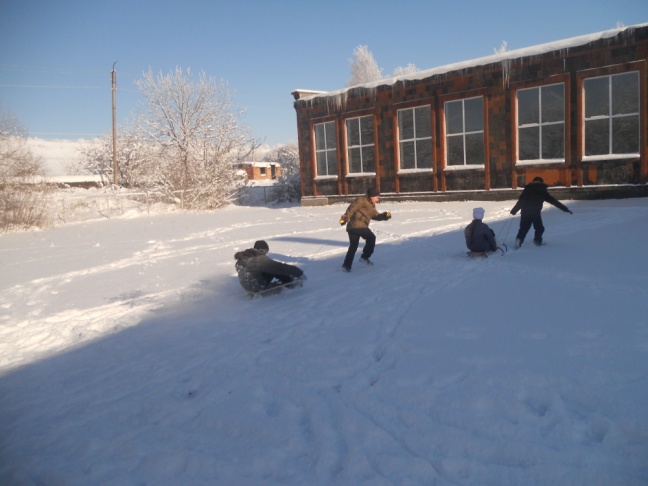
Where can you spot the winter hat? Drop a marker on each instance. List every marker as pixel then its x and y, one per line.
pixel 261 246
pixel 478 213
pixel 538 179
pixel 373 192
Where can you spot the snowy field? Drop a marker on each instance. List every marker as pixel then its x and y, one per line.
pixel 130 355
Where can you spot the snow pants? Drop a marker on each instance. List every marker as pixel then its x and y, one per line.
pixel 528 220
pixel 354 240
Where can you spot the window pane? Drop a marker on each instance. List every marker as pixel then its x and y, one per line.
pixel 474 114
pixel 528 106
pixel 321 163
pixel 353 132
pixel 330 136
pixel 553 103
pixel 366 129
pixel 423 116
pixel 454 117
pixel 407 155
pixel 596 97
pixel 475 148
pixel 625 135
pixel 529 143
pixel 368 164
pixel 455 151
pixel 354 160
pixel 406 124
pixel 625 93
pixel 320 138
pixel 553 141
pixel 424 154
pixel 597 137
pixel 331 160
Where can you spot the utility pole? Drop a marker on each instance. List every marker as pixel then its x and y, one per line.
pixel 114 124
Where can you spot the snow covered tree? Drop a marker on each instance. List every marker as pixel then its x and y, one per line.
pixel 288 187
pixel 364 68
pixel 22 188
pixel 196 134
pixel 135 160
pixel 502 49
pixel 402 71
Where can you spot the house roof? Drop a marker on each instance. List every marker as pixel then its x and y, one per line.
pixel 561 45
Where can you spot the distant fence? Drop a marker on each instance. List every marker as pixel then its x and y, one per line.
pixel 76 205
pixel 82 206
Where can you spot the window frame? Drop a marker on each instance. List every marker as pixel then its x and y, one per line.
pixel 415 139
pixel 484 131
pixel 541 125
pixel 361 146
pixel 610 117
pixel 327 150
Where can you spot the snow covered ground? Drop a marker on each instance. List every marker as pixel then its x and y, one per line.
pixel 129 354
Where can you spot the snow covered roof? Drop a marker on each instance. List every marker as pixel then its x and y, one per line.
pixel 260 164
pixel 561 45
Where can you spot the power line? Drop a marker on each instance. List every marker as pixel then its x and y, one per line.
pixel 36 86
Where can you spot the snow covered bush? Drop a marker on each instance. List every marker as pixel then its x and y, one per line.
pixel 23 189
pixel 288 186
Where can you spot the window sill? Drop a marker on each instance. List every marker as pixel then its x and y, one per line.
pixel 414 171
pixel 604 158
pixel 452 168
pixel 326 178
pixel 520 163
pixel 361 174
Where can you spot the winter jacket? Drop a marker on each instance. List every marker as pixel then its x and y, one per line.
pixel 360 213
pixel 256 270
pixel 532 198
pixel 479 237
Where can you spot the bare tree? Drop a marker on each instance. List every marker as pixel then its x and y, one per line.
pixel 22 187
pixel 364 68
pixel 196 134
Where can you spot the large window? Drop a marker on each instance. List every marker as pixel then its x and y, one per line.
pixel 360 145
pixel 415 138
pixel 465 132
pixel 541 123
pixel 326 149
pixel 612 114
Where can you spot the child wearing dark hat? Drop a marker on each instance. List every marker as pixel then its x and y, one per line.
pixel 257 271
pixel 530 203
pixel 357 218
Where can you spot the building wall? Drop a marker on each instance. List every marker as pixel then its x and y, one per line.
pixel 498 83
pixel 261 171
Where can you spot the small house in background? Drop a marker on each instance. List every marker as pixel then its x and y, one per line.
pixel 574 112
pixel 261 171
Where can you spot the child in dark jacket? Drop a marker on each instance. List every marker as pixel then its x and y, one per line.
pixel 530 203
pixel 479 237
pixel 257 272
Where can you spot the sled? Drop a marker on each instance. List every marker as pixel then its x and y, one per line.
pixel 484 254
pixel 275 288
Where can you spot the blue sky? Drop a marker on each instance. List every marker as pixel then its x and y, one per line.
pixel 56 56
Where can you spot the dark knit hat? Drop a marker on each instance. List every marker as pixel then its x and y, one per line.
pixel 538 179
pixel 261 245
pixel 373 192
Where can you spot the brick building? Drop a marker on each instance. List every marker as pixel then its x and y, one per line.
pixel 573 112
pixel 260 171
